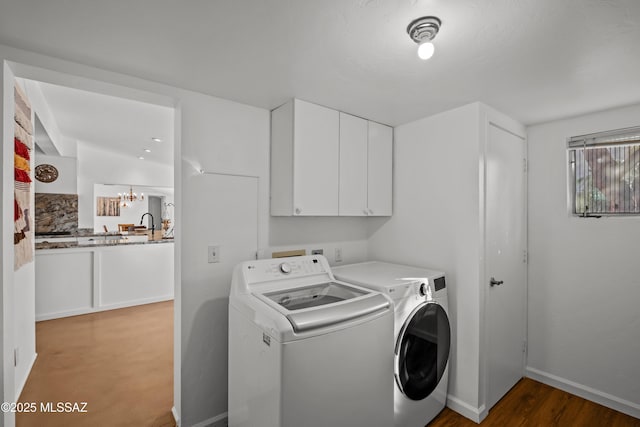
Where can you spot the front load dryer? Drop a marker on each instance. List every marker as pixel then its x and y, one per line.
pixel 422 335
pixel 306 349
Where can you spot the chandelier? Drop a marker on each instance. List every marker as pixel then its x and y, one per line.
pixel 127 198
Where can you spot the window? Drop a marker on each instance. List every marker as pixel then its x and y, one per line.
pixel 605 173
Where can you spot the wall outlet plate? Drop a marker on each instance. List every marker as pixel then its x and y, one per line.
pixel 213 253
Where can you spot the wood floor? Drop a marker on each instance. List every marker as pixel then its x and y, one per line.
pixel 533 404
pixel 120 362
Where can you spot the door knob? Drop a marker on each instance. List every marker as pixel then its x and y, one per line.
pixel 493 282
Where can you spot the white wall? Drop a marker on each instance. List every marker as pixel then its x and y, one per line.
pixel 584 285
pixel 24 311
pixel 67 182
pixel 97 166
pixel 6 232
pixel 211 134
pixel 436 224
pixel 65 146
pixel 218 137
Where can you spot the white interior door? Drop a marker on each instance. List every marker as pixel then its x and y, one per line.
pixel 505 246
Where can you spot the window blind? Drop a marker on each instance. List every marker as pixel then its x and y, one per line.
pixel 605 173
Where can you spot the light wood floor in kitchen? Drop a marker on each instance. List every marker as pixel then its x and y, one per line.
pixel 120 362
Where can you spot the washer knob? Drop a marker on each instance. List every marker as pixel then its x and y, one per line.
pixel 423 289
pixel 285 268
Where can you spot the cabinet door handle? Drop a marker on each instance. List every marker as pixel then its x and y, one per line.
pixel 364 211
pixel 298 211
pixel 371 211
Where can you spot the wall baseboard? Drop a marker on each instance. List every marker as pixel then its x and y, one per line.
pixel 597 396
pixel 176 417
pixel 23 381
pixel 220 420
pixel 471 412
pixel 76 312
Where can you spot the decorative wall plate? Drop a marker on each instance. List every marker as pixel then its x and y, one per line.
pixel 46 173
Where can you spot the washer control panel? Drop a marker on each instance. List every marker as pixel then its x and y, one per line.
pixel 266 270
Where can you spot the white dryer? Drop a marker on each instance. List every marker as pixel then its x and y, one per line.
pixel 422 335
pixel 307 350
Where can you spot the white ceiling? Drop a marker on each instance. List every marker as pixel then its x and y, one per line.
pixel 112 123
pixel 536 60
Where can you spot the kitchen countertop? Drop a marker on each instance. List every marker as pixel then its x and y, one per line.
pixel 119 240
pixel 79 233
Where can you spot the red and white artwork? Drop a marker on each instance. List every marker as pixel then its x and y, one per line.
pixel 23 193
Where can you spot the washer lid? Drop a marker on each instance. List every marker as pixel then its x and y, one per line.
pixel 337 313
pixel 324 304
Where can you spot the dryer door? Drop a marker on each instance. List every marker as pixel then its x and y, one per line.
pixel 422 350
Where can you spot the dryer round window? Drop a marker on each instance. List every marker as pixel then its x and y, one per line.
pixel 422 351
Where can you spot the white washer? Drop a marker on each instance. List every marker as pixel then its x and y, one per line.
pixel 422 335
pixel 307 350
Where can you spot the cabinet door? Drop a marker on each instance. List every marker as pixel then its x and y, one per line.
pixel 315 160
pixel 380 171
pixel 353 166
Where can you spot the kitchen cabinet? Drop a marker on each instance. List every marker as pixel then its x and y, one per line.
pixel 80 280
pixel 366 152
pixel 304 160
pixel 328 163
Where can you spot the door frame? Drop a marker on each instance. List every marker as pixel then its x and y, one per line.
pixel 41 68
pixel 490 117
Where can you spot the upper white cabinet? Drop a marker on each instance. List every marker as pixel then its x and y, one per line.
pixel 380 169
pixel 353 166
pixel 326 163
pixel 304 160
pixel 366 152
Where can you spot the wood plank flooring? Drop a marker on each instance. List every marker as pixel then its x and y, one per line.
pixel 531 404
pixel 120 362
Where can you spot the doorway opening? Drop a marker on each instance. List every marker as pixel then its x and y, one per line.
pixel 86 278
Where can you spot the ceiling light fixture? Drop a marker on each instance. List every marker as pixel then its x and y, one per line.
pixel 146 150
pixel 422 31
pixel 141 158
pixel 156 139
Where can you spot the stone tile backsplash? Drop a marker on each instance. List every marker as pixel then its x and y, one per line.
pixel 56 212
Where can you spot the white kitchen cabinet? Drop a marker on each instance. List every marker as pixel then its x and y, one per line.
pixel 380 169
pixel 366 158
pixel 80 280
pixel 304 160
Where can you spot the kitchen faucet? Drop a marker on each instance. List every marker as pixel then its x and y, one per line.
pixel 153 227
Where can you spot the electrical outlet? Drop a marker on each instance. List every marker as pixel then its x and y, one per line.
pixel 213 253
pixel 317 251
pixel 338 255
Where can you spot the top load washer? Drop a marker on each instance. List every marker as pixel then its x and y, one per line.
pixel 422 335
pixel 307 350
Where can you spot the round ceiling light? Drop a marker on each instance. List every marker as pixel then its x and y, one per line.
pixel 422 31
